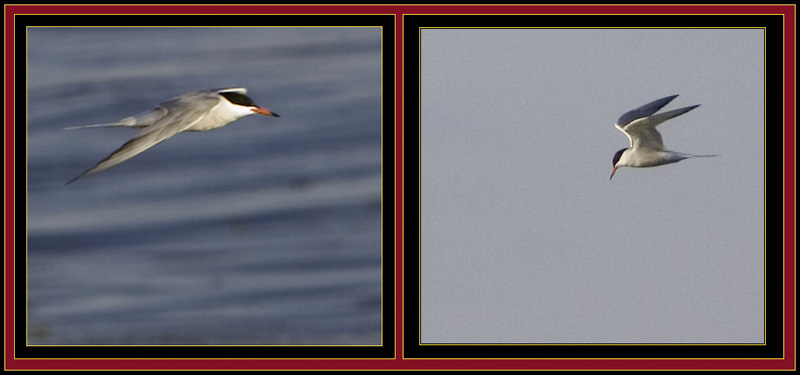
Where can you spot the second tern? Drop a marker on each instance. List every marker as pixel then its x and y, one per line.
pixel 194 111
pixel 647 148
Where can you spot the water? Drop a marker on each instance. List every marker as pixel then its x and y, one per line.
pixel 267 231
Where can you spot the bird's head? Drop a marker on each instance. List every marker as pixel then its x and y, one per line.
pixel 240 100
pixel 616 161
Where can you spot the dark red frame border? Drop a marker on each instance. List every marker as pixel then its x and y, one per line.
pixel 788 362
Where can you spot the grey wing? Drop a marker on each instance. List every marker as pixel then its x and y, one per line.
pixel 643 134
pixel 178 118
pixel 644 111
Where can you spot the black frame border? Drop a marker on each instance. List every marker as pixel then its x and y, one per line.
pixel 386 350
pixel 774 267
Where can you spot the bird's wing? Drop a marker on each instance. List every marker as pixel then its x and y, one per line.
pixel 642 132
pixel 643 111
pixel 661 117
pixel 181 113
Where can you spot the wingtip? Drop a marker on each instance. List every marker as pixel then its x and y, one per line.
pixel 88 173
pixel 667 99
pixel 75 179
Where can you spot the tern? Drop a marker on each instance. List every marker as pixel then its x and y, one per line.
pixel 647 148
pixel 194 111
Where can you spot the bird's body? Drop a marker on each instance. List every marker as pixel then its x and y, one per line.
pixel 647 148
pixel 194 111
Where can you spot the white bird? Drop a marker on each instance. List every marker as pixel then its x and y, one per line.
pixel 647 148
pixel 194 111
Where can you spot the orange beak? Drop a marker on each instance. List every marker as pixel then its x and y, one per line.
pixel 265 112
pixel 612 172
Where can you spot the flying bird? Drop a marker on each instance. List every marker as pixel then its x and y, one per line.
pixel 647 148
pixel 194 111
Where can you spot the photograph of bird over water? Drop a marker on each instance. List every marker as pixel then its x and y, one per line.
pixel 265 231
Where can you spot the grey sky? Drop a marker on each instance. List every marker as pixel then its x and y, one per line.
pixel 524 238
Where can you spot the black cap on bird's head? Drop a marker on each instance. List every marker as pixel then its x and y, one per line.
pixel 614 162
pixel 238 98
pixel 245 101
pixel 617 156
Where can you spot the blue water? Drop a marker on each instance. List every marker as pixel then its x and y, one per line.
pixel 267 231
